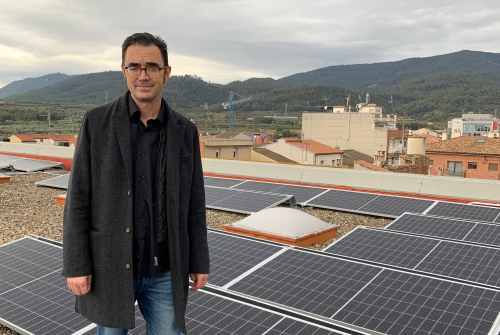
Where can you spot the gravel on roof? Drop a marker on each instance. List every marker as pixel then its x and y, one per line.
pixel 29 210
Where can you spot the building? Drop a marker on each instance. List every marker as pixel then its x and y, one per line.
pixel 261 138
pixel 364 132
pixel 227 145
pixel 472 125
pixel 465 156
pixel 396 145
pixel 3 103
pixel 427 131
pixel 351 156
pixel 44 139
pixel 306 151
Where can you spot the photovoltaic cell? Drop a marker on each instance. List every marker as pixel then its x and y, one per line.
pixel 401 303
pixel 395 206
pixel 56 182
pixel 462 211
pixel 342 200
pixel 306 281
pixel 7 159
pixel 464 261
pixel 222 182
pixel 32 165
pixel 432 226
pixel 231 256
pixel 383 247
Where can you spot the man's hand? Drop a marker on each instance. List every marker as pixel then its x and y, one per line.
pixel 199 280
pixel 80 285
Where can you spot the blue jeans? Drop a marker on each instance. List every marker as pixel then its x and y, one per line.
pixel 154 296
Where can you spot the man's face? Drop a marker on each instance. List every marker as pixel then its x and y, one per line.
pixel 143 88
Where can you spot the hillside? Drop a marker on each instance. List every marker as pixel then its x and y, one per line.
pixel 25 85
pixel 429 89
pixel 384 76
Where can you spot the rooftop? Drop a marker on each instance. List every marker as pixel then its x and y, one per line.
pixel 472 145
pixel 312 146
pixel 272 155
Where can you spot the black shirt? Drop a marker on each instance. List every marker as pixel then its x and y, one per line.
pixel 145 142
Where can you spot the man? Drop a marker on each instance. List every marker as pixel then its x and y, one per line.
pixel 134 221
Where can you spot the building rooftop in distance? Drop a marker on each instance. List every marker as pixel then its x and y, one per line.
pixel 273 155
pixel 312 146
pixel 472 145
pixel 351 155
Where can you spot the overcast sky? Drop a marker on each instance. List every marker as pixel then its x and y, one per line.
pixel 222 41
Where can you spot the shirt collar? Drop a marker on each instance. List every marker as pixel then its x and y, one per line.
pixel 133 109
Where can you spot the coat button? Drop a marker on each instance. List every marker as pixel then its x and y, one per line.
pixel 127 266
pixel 127 230
pixel 128 193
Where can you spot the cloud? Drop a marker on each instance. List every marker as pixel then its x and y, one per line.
pixel 227 40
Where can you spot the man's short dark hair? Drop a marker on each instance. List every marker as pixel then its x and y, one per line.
pixel 145 40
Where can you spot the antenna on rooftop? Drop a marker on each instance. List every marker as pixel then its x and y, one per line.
pixel 326 100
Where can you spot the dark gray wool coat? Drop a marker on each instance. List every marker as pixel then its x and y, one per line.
pixel 99 209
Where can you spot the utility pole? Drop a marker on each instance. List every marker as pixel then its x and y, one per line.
pixel 392 104
pixel 286 108
pixel 326 100
pixel 403 133
pixel 106 94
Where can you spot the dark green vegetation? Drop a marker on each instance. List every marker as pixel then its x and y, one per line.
pixel 430 89
pixel 25 85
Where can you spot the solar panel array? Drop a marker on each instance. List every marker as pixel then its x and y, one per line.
pixel 26 164
pixel 449 228
pixel 34 298
pixel 476 264
pixel 56 182
pixel 352 201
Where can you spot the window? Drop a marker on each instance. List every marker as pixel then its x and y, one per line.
pixel 217 153
pixel 235 153
pixel 493 167
pixel 333 162
pixel 472 166
pixel 431 163
pixel 322 163
pixel 454 169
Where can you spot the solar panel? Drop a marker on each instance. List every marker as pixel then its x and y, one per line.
pixel 468 212
pixel 222 182
pixel 32 165
pixel 231 256
pixel 301 193
pixel 258 186
pixel 342 200
pixel 432 226
pixel 215 194
pixel 56 182
pixel 383 247
pixel 241 201
pixel 35 299
pixel 402 303
pixel 248 203
pixel 7 159
pixel 309 282
pixel 395 206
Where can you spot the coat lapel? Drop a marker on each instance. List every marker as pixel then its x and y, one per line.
pixel 122 128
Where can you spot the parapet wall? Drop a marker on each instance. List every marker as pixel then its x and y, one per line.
pixel 425 185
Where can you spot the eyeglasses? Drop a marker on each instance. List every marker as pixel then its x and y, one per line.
pixel 151 72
